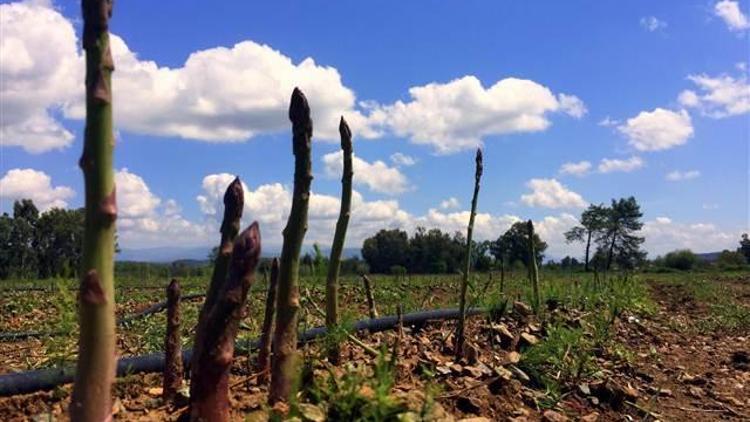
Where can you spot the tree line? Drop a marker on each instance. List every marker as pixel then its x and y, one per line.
pixel 40 245
pixel 608 232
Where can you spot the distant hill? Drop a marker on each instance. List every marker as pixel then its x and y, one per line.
pixel 164 254
pixel 708 256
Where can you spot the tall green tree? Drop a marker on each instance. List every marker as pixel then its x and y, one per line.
pixel 6 231
pixel 386 249
pixel 513 245
pixel 58 241
pixel 745 246
pixel 619 238
pixel 593 221
pixel 23 255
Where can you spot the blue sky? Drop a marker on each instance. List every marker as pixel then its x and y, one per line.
pixel 652 95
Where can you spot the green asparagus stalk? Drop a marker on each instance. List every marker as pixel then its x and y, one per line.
pixel 533 269
pixel 460 336
pixel 284 365
pixel 264 349
pixel 95 371
pixel 332 281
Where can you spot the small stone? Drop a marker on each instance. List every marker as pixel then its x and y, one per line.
pixel 513 357
pixel 591 417
pixel 155 391
pixel 552 416
pixel 468 404
pixel 529 339
pixel 522 308
pixel 311 412
pixel 584 389
pixel 696 392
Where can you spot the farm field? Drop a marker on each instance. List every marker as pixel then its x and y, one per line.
pixel 667 346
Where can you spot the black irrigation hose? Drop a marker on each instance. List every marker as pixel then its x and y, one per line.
pixel 47 379
pixel 158 307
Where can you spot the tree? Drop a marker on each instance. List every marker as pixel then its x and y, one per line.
pixel 745 246
pixel 58 241
pixel 514 245
pixel 6 231
pixel 683 259
pixel 618 237
pixel 386 249
pixel 593 220
pixel 731 260
pixel 23 255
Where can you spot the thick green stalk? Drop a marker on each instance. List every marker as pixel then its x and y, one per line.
pixel 533 269
pixel 460 336
pixel 95 371
pixel 264 348
pixel 284 365
pixel 339 236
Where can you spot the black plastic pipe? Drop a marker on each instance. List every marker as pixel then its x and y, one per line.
pixel 47 379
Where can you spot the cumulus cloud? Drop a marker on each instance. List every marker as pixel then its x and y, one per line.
pixel 221 94
pixel 144 220
pixel 377 176
pixel 39 74
pixel 677 176
pixel 450 203
pixel 403 160
pixel 720 96
pixel 35 185
pixel 607 165
pixel 652 23
pixel 580 168
pixel 664 235
pixel 656 130
pixel 550 193
pixel 457 115
pixel 729 11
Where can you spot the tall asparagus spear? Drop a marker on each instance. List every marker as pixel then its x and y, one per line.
pixel 332 281
pixel 95 371
pixel 284 366
pixel 533 270
pixel 460 336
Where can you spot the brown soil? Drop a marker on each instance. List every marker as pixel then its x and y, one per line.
pixel 675 373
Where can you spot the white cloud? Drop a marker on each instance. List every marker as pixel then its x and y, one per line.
pixel 377 176
pixel 39 73
pixel 720 96
pixel 664 235
pixel 572 105
pixel 35 185
pixel 677 176
pixel 607 165
pixel 456 115
pixel 403 160
pixel 550 193
pixel 656 130
pixel 142 220
pixel 608 121
pixel 450 203
pixel 222 94
pixel 652 23
pixel 729 11
pixel 580 168
pixel 134 198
